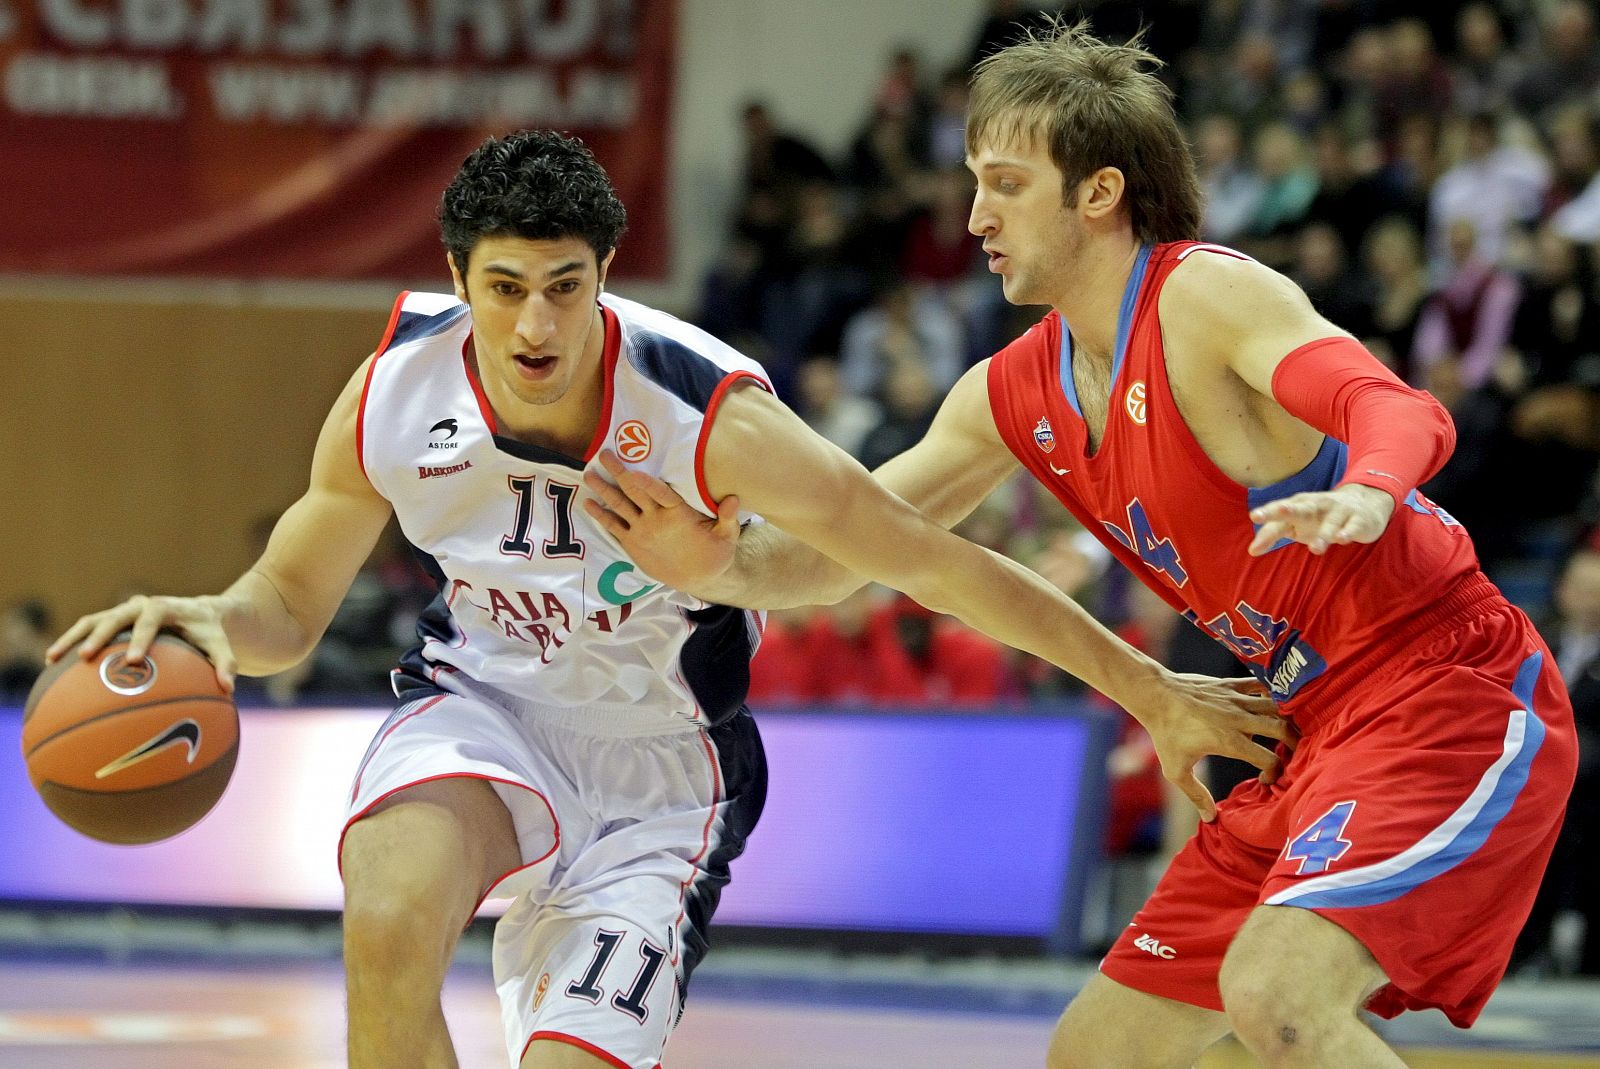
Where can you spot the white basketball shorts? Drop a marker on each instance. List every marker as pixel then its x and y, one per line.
pixel 627 820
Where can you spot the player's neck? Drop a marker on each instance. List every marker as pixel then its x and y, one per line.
pixel 1092 296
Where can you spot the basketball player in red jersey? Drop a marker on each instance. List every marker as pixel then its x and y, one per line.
pixel 1253 464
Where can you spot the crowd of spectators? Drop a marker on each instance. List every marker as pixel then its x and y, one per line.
pixel 1428 172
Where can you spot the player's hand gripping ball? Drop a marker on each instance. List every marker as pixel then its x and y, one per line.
pixel 130 752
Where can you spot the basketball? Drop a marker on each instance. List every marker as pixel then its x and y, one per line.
pixel 130 752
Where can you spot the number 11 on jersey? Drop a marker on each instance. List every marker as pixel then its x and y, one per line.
pixel 565 543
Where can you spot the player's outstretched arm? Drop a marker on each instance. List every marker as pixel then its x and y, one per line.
pixel 1260 325
pixel 822 496
pixel 273 615
pixel 945 476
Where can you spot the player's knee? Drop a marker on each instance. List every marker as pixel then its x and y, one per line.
pixel 393 910
pixel 1279 1018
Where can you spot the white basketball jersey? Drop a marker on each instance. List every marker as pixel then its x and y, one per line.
pixel 535 598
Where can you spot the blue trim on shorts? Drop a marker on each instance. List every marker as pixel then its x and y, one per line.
pixel 1466 841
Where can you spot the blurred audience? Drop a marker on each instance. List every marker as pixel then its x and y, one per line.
pixel 1562 934
pixel 25 633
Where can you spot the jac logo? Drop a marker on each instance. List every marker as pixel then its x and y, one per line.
pixel 125 677
pixel 1043 436
pixel 1135 403
pixel 1150 945
pixel 633 441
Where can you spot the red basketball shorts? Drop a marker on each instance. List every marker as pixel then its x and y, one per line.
pixel 1418 814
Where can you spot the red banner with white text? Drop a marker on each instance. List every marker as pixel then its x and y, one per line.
pixel 306 139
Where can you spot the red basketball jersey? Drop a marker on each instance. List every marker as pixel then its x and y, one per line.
pixel 1168 512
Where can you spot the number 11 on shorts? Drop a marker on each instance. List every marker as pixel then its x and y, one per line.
pixel 1320 845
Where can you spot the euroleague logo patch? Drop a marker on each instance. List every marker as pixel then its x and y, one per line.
pixel 1135 403
pixel 1043 436
pixel 633 441
pixel 125 677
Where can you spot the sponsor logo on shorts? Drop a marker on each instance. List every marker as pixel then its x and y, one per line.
pixel 540 988
pixel 439 473
pixel 1150 945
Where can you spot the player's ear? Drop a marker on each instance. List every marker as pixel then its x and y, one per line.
pixel 1101 193
pixel 457 277
pixel 605 265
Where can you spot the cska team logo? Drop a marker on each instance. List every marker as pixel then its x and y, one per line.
pixel 1043 436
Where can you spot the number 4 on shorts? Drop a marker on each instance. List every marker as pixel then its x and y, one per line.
pixel 1323 843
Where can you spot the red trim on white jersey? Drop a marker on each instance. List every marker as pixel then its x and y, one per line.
pixel 581 1044
pixel 361 410
pixel 608 375
pixel 705 429
pixel 477 387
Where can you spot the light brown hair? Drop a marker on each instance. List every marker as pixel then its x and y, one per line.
pixel 1095 105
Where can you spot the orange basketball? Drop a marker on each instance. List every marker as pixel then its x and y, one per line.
pixel 130 753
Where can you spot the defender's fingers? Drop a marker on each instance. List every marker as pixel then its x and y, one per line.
pixel 1197 794
pixel 613 497
pixel 657 492
pixel 609 520
pixel 1272 727
pixel 1255 754
pixel 611 462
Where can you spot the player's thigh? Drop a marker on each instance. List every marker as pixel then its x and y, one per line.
pixel 1112 1026
pixel 1328 969
pixel 437 846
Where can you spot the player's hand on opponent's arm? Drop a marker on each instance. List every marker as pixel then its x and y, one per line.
pixel 1193 716
pixel 1337 517
pixel 199 620
pixel 669 541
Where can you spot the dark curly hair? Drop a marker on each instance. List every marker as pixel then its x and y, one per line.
pixel 534 184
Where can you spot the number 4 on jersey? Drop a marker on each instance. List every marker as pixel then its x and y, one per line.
pixel 1157 552
pixel 1323 843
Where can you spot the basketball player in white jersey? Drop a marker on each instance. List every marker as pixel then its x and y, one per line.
pixel 570 733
